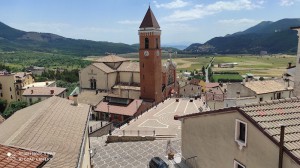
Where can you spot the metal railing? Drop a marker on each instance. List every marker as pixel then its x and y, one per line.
pixel 134 132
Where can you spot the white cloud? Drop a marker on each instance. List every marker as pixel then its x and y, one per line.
pixel 129 22
pixel 171 5
pixel 286 2
pixel 200 10
pixel 239 21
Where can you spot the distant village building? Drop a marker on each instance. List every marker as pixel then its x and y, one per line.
pixel 35 70
pixel 214 97
pixel 57 126
pixel 227 65
pixel 257 91
pixel 241 137
pixel 263 53
pixel 35 94
pixel 117 110
pixel 11 85
pixel 190 90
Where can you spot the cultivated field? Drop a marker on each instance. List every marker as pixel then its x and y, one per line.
pixel 274 65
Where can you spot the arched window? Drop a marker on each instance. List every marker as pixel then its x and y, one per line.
pixel 157 43
pixel 146 43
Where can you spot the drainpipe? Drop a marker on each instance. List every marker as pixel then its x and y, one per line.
pixel 281 145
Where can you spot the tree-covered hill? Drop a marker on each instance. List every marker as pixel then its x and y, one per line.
pixel 15 40
pixel 273 37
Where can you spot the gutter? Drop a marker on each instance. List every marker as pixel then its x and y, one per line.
pixel 81 154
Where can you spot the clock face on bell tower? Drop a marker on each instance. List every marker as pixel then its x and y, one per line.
pixel 150 58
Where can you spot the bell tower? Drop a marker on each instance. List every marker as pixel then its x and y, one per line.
pixel 150 58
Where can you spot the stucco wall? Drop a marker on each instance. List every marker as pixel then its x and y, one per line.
pixel 104 81
pixel 211 139
pixel 36 98
pixel 126 77
pixel 136 77
pixel 233 88
pixel 8 88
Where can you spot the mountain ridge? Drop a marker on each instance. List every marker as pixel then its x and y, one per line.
pixel 273 37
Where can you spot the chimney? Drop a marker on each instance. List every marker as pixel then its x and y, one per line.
pixel 75 99
pixel 287 83
pixel 244 81
pixel 238 94
pixel 289 65
pixel 51 91
pixel 31 91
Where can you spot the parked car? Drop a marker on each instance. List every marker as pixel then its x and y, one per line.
pixel 157 162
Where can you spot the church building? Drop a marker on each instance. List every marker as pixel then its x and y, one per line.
pixel 147 79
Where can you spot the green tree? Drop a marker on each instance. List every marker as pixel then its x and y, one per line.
pixel 13 107
pixel 203 70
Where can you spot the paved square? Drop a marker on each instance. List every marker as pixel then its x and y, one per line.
pixel 129 154
pixel 161 118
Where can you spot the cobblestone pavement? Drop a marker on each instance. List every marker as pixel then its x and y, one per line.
pixel 129 154
pixel 161 118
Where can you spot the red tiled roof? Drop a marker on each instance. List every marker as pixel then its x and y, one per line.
pixel 43 91
pixel 21 158
pixel 267 117
pixel 129 67
pixel 128 110
pixel 211 85
pixel 111 58
pixel 149 20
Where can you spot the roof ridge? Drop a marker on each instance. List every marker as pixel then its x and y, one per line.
pixel 276 101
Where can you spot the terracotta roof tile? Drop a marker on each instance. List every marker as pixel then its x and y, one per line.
pixel 268 117
pixel 21 158
pixel 103 67
pixel 149 20
pixel 111 58
pixel 267 86
pixel 53 125
pixel 129 67
pixel 43 91
pixel 128 110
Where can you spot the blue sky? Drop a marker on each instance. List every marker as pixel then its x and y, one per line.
pixel 181 21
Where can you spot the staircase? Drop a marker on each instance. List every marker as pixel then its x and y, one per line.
pixel 164 137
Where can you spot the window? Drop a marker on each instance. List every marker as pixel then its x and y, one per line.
pixel 9 88
pixel 261 99
pixel 116 117
pixel 157 43
pixel 1 94
pixel 143 65
pixel 18 93
pixel 238 164
pixel 11 97
pixel 278 95
pixel 0 86
pixel 30 100
pixel 146 43
pixel 241 133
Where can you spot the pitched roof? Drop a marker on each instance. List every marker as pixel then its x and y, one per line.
pixel 111 58
pixel 128 110
pixel 21 158
pixel 211 85
pixel 43 91
pixel 129 67
pixel 267 117
pixel 149 20
pixel 53 125
pixel 103 67
pixel 267 86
